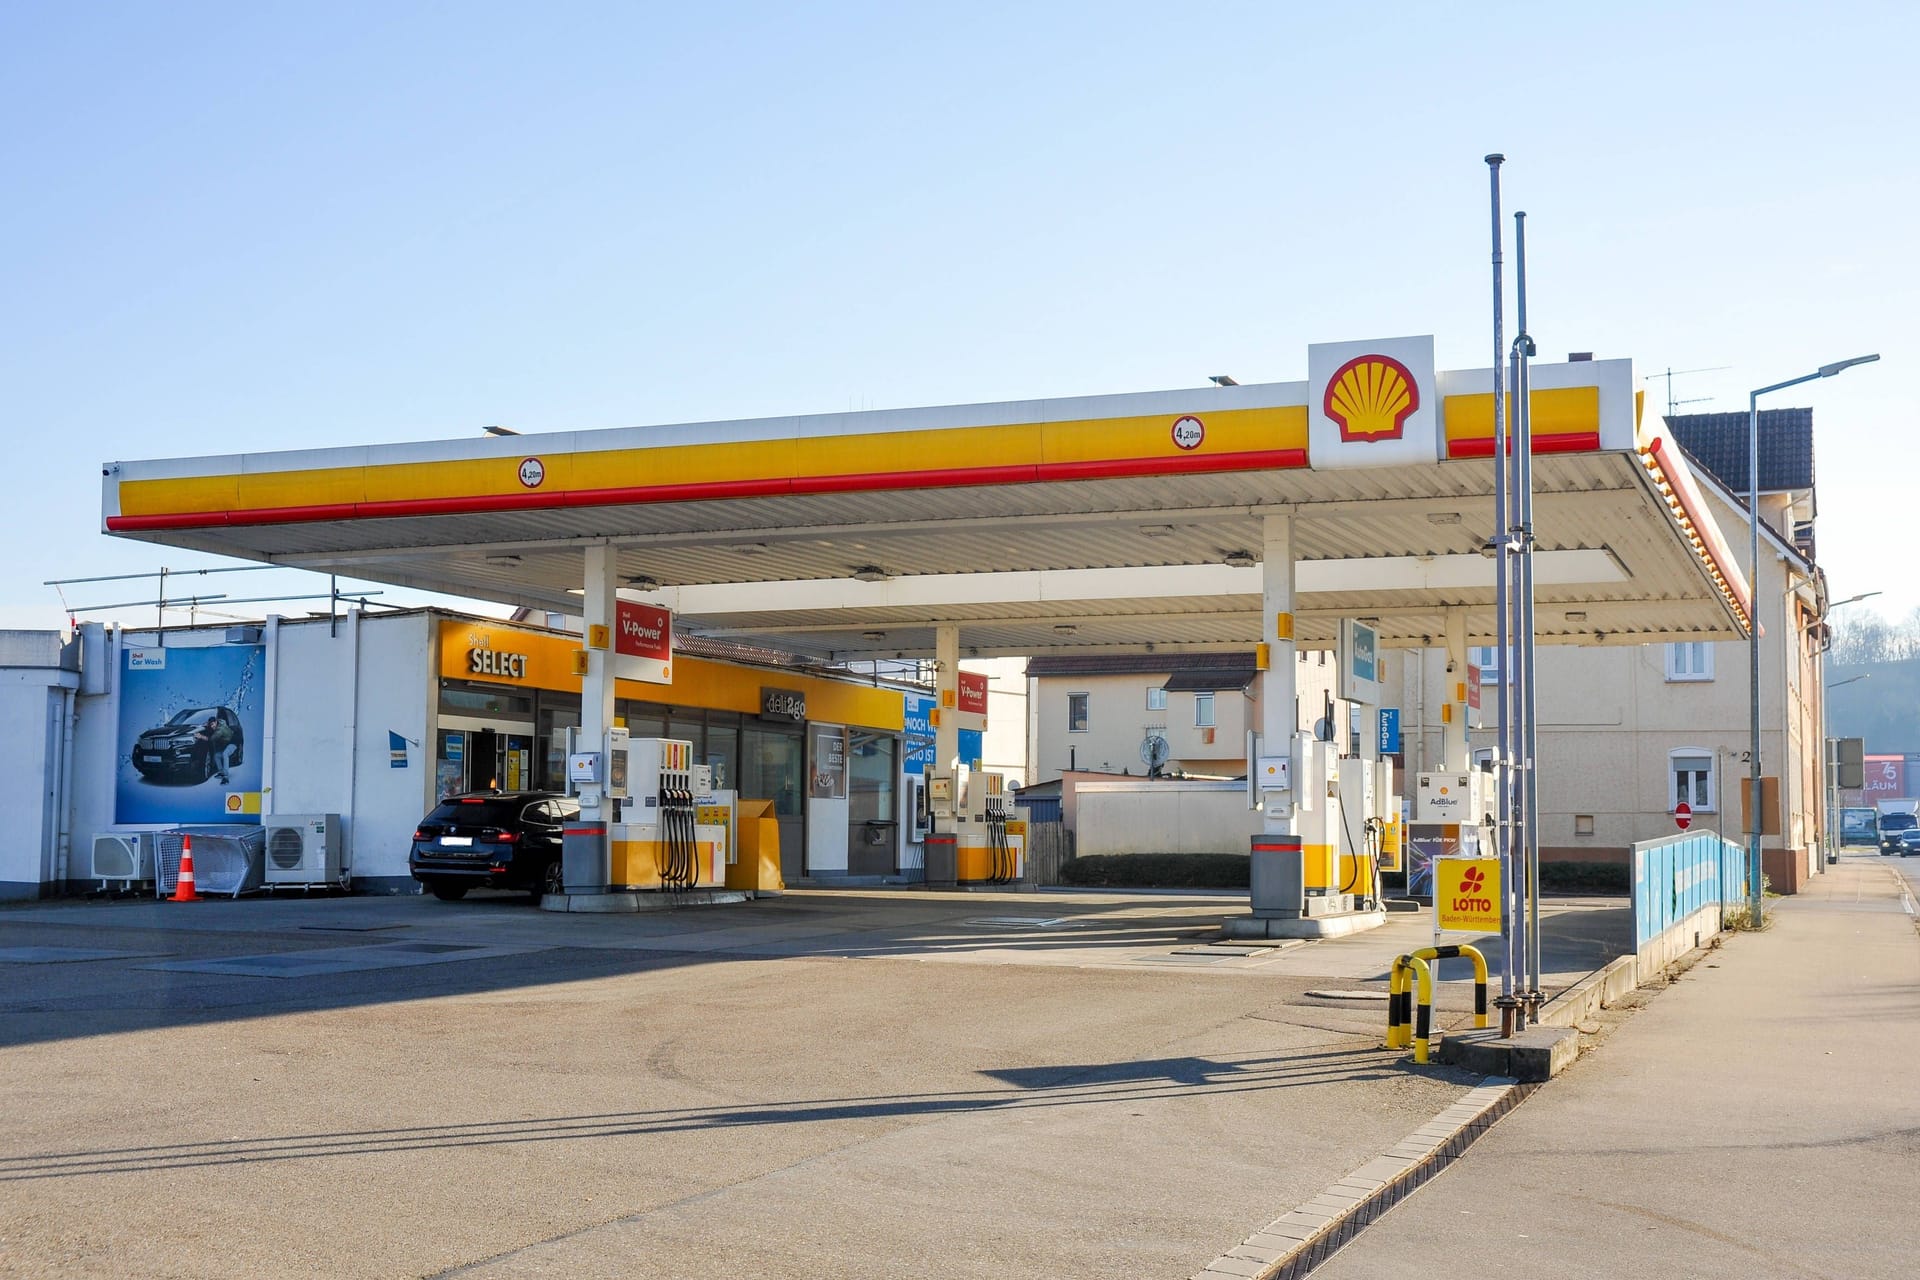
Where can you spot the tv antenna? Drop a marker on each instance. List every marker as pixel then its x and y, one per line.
pixel 1671 374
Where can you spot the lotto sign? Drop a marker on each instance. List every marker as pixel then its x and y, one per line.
pixel 1466 895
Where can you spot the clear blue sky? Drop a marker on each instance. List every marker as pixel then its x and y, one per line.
pixel 248 227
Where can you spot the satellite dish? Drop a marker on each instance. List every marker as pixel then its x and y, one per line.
pixel 1154 751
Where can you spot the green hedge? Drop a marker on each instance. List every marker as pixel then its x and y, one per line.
pixel 1158 871
pixel 1585 877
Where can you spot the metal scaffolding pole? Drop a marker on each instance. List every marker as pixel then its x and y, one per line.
pixel 1527 666
pixel 1502 775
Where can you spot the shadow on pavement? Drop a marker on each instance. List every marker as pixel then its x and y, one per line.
pixel 1066 1086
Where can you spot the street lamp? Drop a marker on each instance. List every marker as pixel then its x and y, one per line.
pixel 1753 624
pixel 1829 761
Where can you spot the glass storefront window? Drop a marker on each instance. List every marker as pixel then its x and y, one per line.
pixel 723 755
pixel 644 719
pixel 873 772
pixel 475 700
pixel 558 713
pixel 686 726
pixel 773 766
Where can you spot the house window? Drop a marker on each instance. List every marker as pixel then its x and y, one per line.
pixel 1690 778
pixel 1486 657
pixel 1690 660
pixel 1203 710
pixel 1076 713
pixel 1156 698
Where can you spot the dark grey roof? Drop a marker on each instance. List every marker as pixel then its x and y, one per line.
pixel 1210 678
pixel 1127 664
pixel 1718 441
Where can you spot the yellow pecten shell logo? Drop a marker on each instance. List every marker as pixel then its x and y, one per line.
pixel 1371 397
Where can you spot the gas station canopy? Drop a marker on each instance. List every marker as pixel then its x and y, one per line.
pixel 1105 522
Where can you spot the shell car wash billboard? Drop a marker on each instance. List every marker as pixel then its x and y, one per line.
pixel 191 730
pixel 1884 778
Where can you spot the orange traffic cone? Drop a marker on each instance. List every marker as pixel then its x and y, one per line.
pixel 183 890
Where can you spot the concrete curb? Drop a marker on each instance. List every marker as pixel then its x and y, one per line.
pixel 1295 1243
pixel 629 903
pixel 1592 993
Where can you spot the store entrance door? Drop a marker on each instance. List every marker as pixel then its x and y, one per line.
pixel 476 756
pixel 773 766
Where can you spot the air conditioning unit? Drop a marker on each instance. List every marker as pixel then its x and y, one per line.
pixel 304 849
pixel 125 855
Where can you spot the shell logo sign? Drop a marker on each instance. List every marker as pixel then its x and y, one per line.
pixel 1372 403
pixel 1371 397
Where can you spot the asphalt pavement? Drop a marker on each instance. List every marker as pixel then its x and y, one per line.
pixel 829 1083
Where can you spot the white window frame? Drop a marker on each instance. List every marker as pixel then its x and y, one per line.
pixel 1711 785
pixel 1479 654
pixel 1689 661
pixel 1085 712
pixel 1203 702
pixel 1156 697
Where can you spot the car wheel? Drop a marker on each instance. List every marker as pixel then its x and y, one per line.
pixel 206 764
pixel 448 892
pixel 552 880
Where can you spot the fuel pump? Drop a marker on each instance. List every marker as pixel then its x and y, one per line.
pixel 988 851
pixel 662 843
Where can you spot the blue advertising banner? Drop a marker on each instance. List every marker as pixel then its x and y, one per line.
pixel 1389 731
pixel 396 750
pixel 190 735
pixel 918 756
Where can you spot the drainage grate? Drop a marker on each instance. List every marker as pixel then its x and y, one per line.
pixel 1021 924
pixel 66 955
pixel 323 961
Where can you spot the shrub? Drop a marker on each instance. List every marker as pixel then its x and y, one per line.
pixel 1585 877
pixel 1157 871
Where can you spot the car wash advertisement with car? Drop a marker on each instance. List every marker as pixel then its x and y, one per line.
pixel 190 732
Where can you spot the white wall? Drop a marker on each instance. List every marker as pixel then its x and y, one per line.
pixel 33 707
pixel 1162 817
pixel 332 702
pixel 326 735
pixel 1003 747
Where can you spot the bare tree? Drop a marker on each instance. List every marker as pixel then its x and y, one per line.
pixel 1867 637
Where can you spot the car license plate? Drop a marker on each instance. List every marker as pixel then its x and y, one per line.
pixel 457 842
pixel 151 759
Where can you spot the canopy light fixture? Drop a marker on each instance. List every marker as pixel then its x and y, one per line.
pixel 873 635
pixel 1239 560
pixel 642 582
pixel 871 573
pixel 1157 530
pixel 1443 517
pixel 1065 629
pixel 746 548
pixel 503 561
pixel 1576 615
